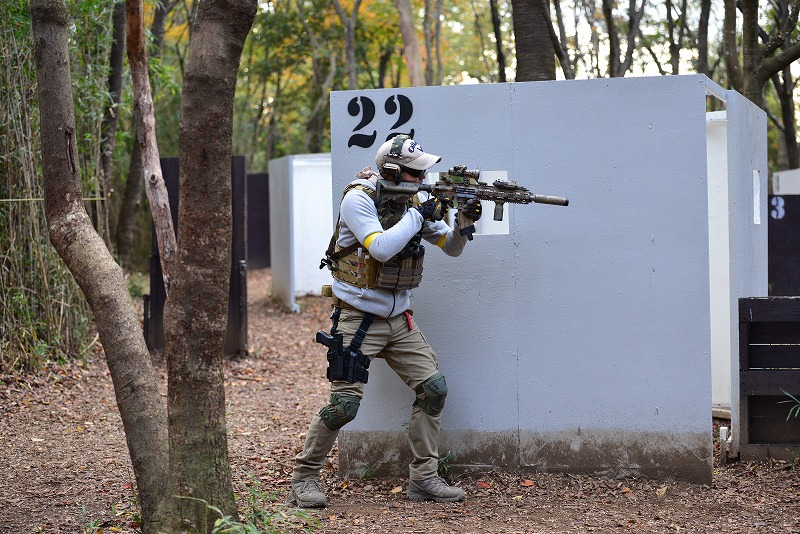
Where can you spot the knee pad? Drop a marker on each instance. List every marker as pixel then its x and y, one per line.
pixel 341 410
pixel 431 395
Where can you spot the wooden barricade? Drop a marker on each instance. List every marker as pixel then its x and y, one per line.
pixel 769 365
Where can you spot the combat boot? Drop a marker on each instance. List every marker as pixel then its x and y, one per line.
pixel 434 489
pixel 308 493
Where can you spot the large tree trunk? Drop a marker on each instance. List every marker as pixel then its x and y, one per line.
pixel 99 277
pixel 782 48
pixel 730 47
pixel 196 311
pixel 410 44
pixel 751 53
pixel 535 56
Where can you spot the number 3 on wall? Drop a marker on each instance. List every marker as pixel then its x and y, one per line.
pixel 779 212
pixel 365 108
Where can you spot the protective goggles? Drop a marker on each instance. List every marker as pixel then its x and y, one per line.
pixel 416 173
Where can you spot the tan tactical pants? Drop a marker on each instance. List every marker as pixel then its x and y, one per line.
pixel 412 358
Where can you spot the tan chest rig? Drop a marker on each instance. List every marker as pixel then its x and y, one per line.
pixel 355 266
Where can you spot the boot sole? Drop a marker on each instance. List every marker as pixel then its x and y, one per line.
pixel 310 504
pixel 429 497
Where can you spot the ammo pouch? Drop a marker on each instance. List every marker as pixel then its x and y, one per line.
pixel 346 363
pixel 403 271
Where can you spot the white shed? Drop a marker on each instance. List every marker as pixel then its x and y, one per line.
pixel 300 222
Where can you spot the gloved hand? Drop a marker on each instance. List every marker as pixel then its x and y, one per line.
pixel 434 209
pixel 467 215
pixel 472 210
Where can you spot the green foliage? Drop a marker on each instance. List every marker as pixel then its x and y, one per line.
pixel 262 514
pixel 445 469
pixel 44 316
pixel 138 284
pixel 794 411
pixel 93 526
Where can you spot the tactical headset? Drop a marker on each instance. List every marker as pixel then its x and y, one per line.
pixel 396 151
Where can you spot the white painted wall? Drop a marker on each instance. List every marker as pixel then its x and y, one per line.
pixel 786 182
pixel 747 190
pixel 300 224
pixel 719 253
pixel 581 339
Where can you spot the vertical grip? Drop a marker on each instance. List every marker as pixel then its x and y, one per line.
pixel 498 210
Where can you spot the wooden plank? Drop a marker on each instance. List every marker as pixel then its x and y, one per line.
pixel 764 382
pixel 783 451
pixel 744 347
pixel 774 357
pixel 768 421
pixel 759 309
pixel 774 333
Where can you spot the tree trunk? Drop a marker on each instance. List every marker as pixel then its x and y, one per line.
pixel 127 219
pixel 146 139
pixel 702 37
pixel 751 53
pixel 784 90
pixel 535 56
pixel 99 277
pixel 498 37
pixel 349 23
pixel 437 40
pixel 195 314
pixel 760 64
pixel 730 47
pixel 558 45
pixel 109 127
pixel 410 44
pixel 129 208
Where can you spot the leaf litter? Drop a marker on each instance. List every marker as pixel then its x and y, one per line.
pixel 64 464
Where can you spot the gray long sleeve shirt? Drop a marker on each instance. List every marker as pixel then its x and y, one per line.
pixel 358 219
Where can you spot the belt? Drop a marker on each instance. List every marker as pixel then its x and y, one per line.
pixel 339 303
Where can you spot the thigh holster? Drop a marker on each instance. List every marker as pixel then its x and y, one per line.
pixel 346 363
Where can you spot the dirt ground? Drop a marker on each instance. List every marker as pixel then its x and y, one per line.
pixel 64 465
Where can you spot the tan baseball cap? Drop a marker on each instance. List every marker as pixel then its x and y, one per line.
pixel 406 152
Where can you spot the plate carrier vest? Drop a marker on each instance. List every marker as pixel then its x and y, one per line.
pixel 355 266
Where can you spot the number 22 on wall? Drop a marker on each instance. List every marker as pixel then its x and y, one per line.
pixel 364 107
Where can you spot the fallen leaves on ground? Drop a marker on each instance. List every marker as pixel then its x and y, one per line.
pixel 61 479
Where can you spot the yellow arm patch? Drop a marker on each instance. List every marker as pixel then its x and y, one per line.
pixel 441 241
pixel 370 238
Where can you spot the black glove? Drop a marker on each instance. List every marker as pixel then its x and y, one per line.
pixel 472 209
pixel 434 209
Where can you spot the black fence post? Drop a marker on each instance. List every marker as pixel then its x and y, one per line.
pixel 258 254
pixel 236 336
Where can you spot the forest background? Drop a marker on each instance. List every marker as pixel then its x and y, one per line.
pixel 296 53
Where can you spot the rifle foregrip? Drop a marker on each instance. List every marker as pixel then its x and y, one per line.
pixel 545 199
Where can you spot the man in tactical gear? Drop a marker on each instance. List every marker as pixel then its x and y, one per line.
pixel 376 259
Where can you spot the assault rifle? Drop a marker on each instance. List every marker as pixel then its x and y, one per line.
pixel 460 184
